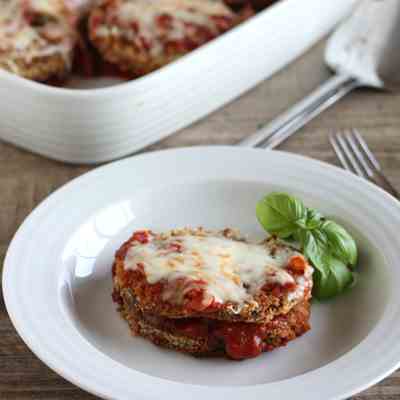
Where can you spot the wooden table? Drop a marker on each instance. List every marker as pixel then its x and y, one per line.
pixel 26 179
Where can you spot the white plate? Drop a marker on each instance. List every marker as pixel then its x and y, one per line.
pixel 57 281
pixel 95 125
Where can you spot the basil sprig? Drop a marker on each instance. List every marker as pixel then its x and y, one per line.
pixel 326 244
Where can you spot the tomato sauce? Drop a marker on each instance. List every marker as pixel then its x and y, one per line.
pixel 141 236
pixel 242 340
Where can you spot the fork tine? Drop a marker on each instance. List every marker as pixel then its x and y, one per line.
pixel 356 157
pixel 367 151
pixel 359 153
pixel 376 171
pixel 349 154
pixel 339 152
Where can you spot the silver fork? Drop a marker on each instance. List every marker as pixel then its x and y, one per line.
pixel 355 156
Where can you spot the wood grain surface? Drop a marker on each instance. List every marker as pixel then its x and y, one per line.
pixel 26 179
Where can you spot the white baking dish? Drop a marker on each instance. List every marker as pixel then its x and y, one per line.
pixel 95 125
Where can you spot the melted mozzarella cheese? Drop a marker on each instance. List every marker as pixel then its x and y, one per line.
pixel 144 13
pixel 44 6
pixel 21 40
pixel 192 10
pixel 232 270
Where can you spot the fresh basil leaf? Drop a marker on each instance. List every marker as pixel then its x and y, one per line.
pixel 315 248
pixel 326 290
pixel 281 214
pixel 339 278
pixel 341 273
pixel 341 244
pixel 332 276
pixel 298 236
pixel 326 244
pixel 314 219
pixel 319 285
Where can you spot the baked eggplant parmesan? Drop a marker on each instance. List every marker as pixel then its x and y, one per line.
pixel 206 292
pixel 37 37
pixel 142 35
pixel 50 40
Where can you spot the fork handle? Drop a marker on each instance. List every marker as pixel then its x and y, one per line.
pixel 300 114
pixel 385 184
